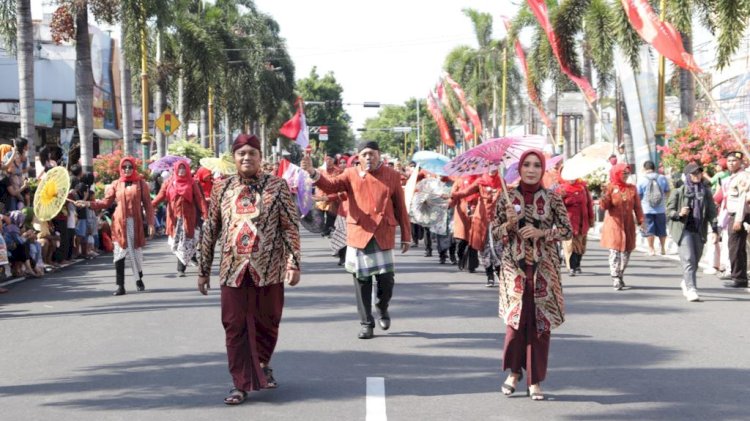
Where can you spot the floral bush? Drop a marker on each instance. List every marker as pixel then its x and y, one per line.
pixel 107 167
pixel 701 141
pixel 190 150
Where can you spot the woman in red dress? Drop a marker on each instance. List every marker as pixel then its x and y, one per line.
pixel 185 199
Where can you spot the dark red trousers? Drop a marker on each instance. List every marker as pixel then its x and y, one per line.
pixel 251 316
pixel 525 348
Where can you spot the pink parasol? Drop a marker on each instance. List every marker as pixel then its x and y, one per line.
pixel 482 158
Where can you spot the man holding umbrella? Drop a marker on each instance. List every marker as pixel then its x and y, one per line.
pixel 376 207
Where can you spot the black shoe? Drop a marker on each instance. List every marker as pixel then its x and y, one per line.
pixel 442 260
pixel 572 272
pixel 270 381
pixel 578 271
pixel 735 284
pixel 490 283
pixel 139 285
pixel 119 291
pixel 385 320
pixel 365 333
pixel 181 274
pixel 453 261
pixel 428 253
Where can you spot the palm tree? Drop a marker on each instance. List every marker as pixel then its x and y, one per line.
pixel 26 74
pixel 126 92
pixel 480 71
pixel 84 87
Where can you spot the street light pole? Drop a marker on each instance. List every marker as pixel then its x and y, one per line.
pixel 419 144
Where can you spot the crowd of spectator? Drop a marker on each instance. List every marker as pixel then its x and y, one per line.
pixel 30 247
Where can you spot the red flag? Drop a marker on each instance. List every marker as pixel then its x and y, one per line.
pixel 533 94
pixel 443 97
pixel 293 126
pixel 468 109
pixel 445 132
pixel 539 8
pixel 661 35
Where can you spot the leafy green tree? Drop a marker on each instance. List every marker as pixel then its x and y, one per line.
pixel 380 129
pixel 480 72
pixel 326 88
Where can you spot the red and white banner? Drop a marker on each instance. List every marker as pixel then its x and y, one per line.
pixel 457 116
pixel 533 94
pixel 296 127
pixel 661 35
pixel 468 109
pixel 539 8
pixel 445 132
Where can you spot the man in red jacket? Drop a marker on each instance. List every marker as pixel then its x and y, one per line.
pixel 376 207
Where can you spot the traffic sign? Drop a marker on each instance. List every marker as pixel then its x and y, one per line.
pixel 323 133
pixel 167 122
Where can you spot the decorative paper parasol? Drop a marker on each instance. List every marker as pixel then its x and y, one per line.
pixel 51 193
pixel 224 164
pixel 428 208
pixel 512 175
pixel 411 186
pixel 587 161
pixel 166 163
pixel 431 161
pixel 480 159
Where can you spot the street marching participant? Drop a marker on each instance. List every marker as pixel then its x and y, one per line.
pixel 487 188
pixel 131 193
pixel 184 200
pixel 376 207
pixel 580 208
pixel 254 218
pixel 530 221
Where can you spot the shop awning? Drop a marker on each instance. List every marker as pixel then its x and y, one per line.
pixel 109 134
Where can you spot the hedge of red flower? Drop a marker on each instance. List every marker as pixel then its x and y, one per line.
pixel 702 141
pixel 107 166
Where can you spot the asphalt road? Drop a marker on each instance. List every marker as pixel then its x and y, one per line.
pixel 71 351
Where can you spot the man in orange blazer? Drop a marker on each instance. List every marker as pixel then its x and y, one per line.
pixel 376 207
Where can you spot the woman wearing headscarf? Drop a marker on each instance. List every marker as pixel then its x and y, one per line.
pixel 253 216
pixel 205 180
pixel 530 221
pixel 580 207
pixel 133 199
pixel 487 187
pixel 691 210
pixel 184 201
pixel 463 208
pixel 620 200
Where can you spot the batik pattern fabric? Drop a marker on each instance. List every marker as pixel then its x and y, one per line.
pixel 369 261
pixel 182 247
pixel 618 262
pixel 338 237
pixel 547 212
pixel 135 255
pixel 256 223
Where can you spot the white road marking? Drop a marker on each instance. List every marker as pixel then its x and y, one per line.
pixel 375 399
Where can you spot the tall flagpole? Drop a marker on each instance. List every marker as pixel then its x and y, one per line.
pixel 505 88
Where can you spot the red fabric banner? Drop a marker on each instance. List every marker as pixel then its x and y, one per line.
pixel 445 132
pixel 533 94
pixel 468 109
pixel 443 97
pixel 661 35
pixel 293 126
pixel 539 8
